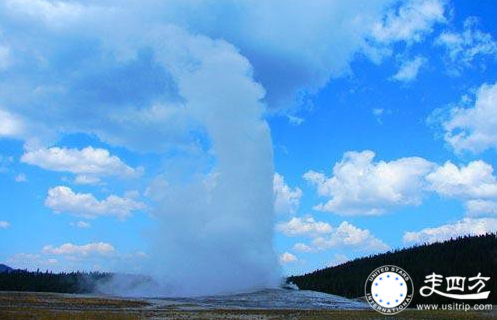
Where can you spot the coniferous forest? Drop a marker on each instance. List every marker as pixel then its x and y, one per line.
pixel 464 256
pixel 74 282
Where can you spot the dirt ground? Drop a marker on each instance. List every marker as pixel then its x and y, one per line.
pixel 50 306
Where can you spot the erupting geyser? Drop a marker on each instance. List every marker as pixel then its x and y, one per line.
pixel 215 219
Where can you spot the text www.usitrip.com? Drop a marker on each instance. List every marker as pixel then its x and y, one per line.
pixel 455 306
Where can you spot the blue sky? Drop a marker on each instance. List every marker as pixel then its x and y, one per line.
pixel 381 129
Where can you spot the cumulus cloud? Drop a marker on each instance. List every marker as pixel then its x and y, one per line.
pixel 306 226
pixel 286 199
pixel 4 224
pixel 63 200
pixel 462 49
pixel 100 248
pixel 308 42
pixel 89 164
pixel 475 180
pixel 472 128
pixel 345 236
pixel 410 22
pixel 288 257
pixel 361 186
pixel 467 226
pixel 409 69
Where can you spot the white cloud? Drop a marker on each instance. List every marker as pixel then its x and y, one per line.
pixel 15 126
pixel 302 247
pixel 83 224
pixel 53 12
pixel 287 257
pixel 63 200
pixel 21 178
pixel 473 128
pixel 100 248
pixel 336 30
pixel 467 226
pixel 30 261
pixel 345 236
pixel 463 48
pixel 348 235
pixel 84 179
pixel 360 186
pixel 410 22
pixel 12 126
pixel 378 113
pixel 297 121
pixel 80 224
pixel 286 199
pixel 306 226
pixel 475 180
pixel 4 224
pixel 95 256
pixel 478 208
pixel 409 69
pixel 89 164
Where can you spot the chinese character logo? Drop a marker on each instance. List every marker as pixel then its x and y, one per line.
pixel 455 285
pixel 389 290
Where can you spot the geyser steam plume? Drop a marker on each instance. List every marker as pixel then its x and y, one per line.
pixel 215 227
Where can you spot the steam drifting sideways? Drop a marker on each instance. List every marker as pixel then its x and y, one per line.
pixel 192 100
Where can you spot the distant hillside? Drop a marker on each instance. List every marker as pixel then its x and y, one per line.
pixel 4 268
pixel 465 256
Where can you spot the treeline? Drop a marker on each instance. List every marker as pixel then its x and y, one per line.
pixel 465 256
pixel 74 282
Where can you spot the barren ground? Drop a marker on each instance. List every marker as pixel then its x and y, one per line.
pixel 51 306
